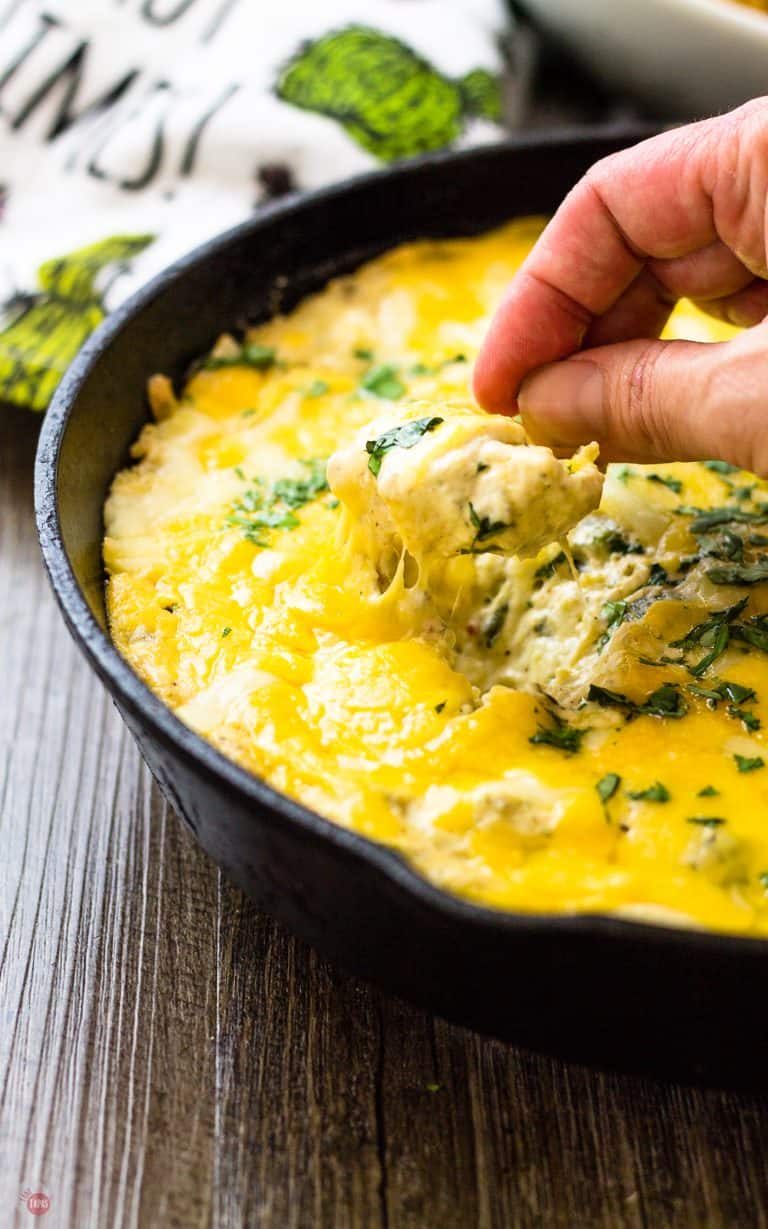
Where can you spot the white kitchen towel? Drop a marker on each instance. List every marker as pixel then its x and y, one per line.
pixel 131 130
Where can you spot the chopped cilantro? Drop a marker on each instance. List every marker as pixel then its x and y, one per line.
pixel 763 879
pixel 624 474
pixel 750 721
pixel 754 631
pixel 249 355
pixel 259 510
pixel 406 435
pixel 607 786
pixel 362 352
pixel 495 624
pixel 439 707
pixel 657 575
pixel 654 793
pixel 240 473
pixel 724 690
pixel 713 633
pixel 740 573
pixel 383 381
pixel 727 545
pixel 749 763
pixel 673 484
pixel 248 413
pixel 333 502
pixel 744 492
pixel 721 467
pixel 560 735
pixel 708 791
pixel 705 519
pixel 318 388
pixel 736 692
pixel 665 701
pixel 706 821
pixel 484 527
pixel 548 569
pixel 616 544
pixel 226 631
pixel 295 492
pixel 614 613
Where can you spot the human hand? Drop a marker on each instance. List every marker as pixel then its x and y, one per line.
pixel 573 346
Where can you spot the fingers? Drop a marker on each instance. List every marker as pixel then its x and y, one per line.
pixel 642 311
pixel 657 401
pixel 744 309
pixel 697 190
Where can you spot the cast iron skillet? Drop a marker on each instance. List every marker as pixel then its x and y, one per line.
pixel 617 993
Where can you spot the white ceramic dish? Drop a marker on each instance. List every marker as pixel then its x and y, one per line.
pixel 683 58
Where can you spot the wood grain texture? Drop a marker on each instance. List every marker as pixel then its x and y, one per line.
pixel 169 1057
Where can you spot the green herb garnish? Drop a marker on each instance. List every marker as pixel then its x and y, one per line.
pixel 439 707
pixel 225 632
pixel 484 527
pixel 750 721
pixel 383 381
pixel 607 786
pixel 249 355
pixel 260 509
pixel 740 573
pixel 616 544
pixel 754 631
pixel 295 492
pixel 495 624
pixel 749 763
pixel 705 519
pixel 706 821
pixel 708 791
pixel 548 569
pixel 406 435
pixel 559 735
pixel 665 701
pixel 673 484
pixel 654 793
pixel 318 388
pixel 721 467
pixel 714 633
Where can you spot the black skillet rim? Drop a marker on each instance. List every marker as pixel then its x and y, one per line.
pixel 159 720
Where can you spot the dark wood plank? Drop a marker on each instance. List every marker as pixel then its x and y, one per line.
pixel 169 1057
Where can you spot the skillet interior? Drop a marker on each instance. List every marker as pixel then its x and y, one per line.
pixel 617 993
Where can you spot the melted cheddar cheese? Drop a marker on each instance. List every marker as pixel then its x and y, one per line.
pixel 544 725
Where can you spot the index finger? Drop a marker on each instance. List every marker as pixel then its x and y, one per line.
pixel 656 201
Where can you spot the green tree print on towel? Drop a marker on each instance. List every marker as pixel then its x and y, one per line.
pixel 46 328
pixel 390 100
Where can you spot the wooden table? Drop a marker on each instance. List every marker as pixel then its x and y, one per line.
pixel 170 1057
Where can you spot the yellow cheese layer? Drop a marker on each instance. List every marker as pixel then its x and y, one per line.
pixel 463 733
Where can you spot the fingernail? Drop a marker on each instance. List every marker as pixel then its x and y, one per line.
pixel 562 404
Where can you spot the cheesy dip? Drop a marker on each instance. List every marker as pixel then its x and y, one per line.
pixel 546 690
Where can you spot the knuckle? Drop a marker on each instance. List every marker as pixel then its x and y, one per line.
pixel 639 401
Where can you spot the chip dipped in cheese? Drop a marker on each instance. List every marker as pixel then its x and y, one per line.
pixel 448 480
pixel 547 697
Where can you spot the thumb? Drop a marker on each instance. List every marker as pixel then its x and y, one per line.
pixel 657 401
